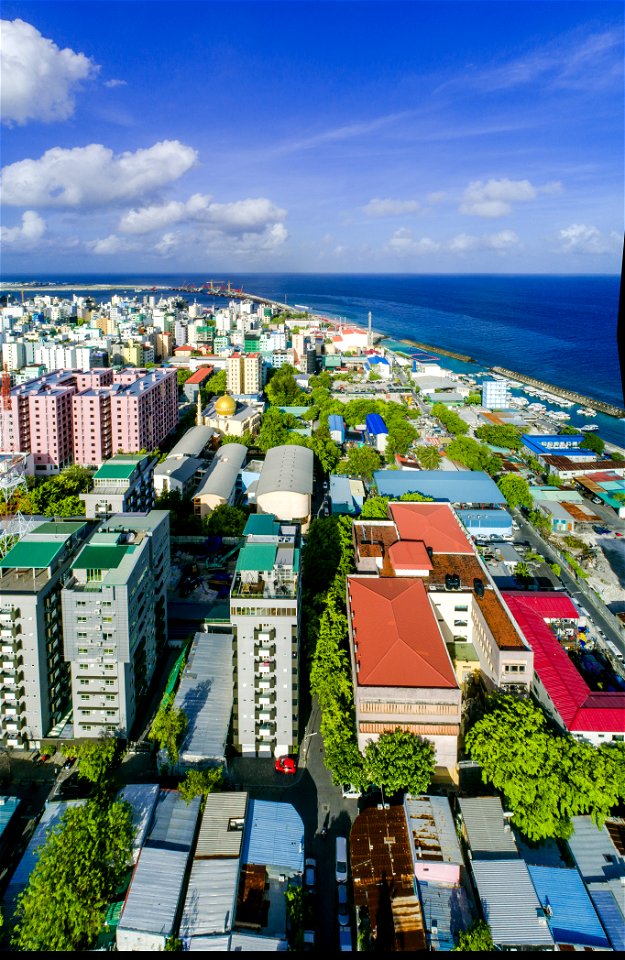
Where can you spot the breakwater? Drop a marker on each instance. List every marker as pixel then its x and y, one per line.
pixel 609 408
pixel 443 353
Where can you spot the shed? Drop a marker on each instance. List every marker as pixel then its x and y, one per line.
pixel 142 798
pixel 206 696
pixel 609 904
pixel 222 826
pixel 174 822
pixel 488 833
pixel 571 915
pixel 347 495
pixel 336 426
pixel 274 837
pixel 211 898
pixel 446 911
pixel 510 905
pixel 434 846
pixel 486 522
pixel 153 899
pixel 593 851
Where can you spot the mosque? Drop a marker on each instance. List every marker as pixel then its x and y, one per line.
pixel 229 417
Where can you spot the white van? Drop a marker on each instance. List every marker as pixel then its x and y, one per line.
pixel 341 860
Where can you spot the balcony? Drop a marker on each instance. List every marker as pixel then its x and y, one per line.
pixel 266 651
pixel 265 667
pixel 265 684
pixel 266 698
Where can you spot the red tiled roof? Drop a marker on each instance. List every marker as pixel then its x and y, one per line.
pixel 200 375
pixel 397 635
pixel 433 523
pixel 408 555
pixel 581 710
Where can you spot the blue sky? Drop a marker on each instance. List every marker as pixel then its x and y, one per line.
pixel 316 137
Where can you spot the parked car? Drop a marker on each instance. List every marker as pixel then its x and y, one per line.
pixel 310 873
pixel 341 860
pixel 44 757
pixel 286 765
pixel 350 792
pixel 343 912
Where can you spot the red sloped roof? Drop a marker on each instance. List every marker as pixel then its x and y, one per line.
pixel 581 710
pixel 433 523
pixel 399 643
pixel 200 375
pixel 408 555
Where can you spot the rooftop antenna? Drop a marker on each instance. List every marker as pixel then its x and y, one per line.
pixel 198 418
pixel 369 331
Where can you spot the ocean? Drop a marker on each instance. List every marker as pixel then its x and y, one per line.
pixel 560 329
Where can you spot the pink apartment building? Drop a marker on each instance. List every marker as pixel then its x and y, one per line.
pixel 85 417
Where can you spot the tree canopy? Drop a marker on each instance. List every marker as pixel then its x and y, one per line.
pixel 225 521
pixel 500 435
pixel 546 778
pixel 428 456
pixel 516 490
pixel 400 760
pixel 474 455
pixel 199 783
pixel 360 462
pixel 477 938
pixel 55 497
pixel 216 384
pixel 282 390
pixel 450 419
pixel 169 727
pixel 593 443
pixel 95 757
pixel 79 868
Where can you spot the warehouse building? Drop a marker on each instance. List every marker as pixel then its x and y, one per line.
pixel 285 485
pixel 221 484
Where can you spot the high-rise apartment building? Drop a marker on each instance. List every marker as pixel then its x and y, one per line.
pixel 265 615
pixel 115 620
pixel 124 484
pixel 495 394
pixel 34 678
pixel 245 374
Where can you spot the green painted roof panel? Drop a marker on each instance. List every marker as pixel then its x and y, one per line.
pixel 100 557
pixel 115 471
pixel 32 554
pixel 262 525
pixel 62 527
pixel 257 556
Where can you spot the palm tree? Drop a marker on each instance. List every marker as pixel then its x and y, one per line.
pixel 429 457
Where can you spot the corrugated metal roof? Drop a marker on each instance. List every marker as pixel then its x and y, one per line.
pixel 174 822
pixel 244 942
pixel 594 853
pixel 274 836
pixel 259 557
pixel 206 695
pixel 223 472
pixel 336 422
pixel 573 918
pixel 155 889
pixel 608 901
pixel 142 798
pixel 193 442
pixel 286 469
pixel 8 806
pixel 220 943
pixel 431 830
pixel 465 486
pixel 485 519
pixel 211 897
pixel 446 911
pixel 214 838
pixel 261 525
pixel 510 904
pixel 486 831
pixel 375 424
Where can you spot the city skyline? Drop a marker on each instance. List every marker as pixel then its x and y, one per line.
pixel 315 137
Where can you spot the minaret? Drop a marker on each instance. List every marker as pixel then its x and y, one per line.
pixel 369 332
pixel 198 417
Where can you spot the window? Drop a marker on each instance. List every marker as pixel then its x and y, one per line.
pixel 81 619
pixel 109 683
pixel 82 651
pixel 107 619
pixel 83 666
pixel 85 696
pixel 109 651
pixel 81 636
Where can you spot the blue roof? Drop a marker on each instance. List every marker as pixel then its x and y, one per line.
pixel 485 519
pixel 262 525
pixel 8 806
pixel 561 445
pixel 573 918
pixel 375 424
pixel 376 359
pixel 336 422
pixel 462 486
pixel 274 836
pixel 343 497
pixel 611 915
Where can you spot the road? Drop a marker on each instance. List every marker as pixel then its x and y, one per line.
pixel 583 598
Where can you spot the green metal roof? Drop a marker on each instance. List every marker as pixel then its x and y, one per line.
pixel 101 557
pixel 115 471
pixel 257 556
pixel 32 554
pixel 460 650
pixel 63 527
pixel 262 525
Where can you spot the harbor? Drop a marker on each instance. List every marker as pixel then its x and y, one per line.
pixel 590 402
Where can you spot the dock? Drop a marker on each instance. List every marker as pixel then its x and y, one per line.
pixel 580 398
pixel 440 350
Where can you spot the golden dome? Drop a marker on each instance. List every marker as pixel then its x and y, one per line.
pixel 225 406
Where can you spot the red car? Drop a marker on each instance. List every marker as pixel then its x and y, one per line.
pixel 286 765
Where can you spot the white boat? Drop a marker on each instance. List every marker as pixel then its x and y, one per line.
pixel 589 426
pixel 587 412
pixel 559 415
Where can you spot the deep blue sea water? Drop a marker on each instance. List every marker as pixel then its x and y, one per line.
pixel 561 329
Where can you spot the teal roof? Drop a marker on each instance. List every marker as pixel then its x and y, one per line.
pixel 115 471
pixel 63 527
pixel 101 557
pixel 8 806
pixel 262 525
pixel 257 556
pixel 294 411
pixel 32 554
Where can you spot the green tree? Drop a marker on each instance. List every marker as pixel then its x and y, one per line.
pixel 295 897
pixel 450 419
pixel 199 783
pixel 169 727
pixel 216 384
pixel 400 760
pixel 247 439
pixel 546 778
pixel 183 375
pixel 474 455
pixel 473 399
pixel 361 462
pixel 282 389
pixel 429 457
pixel 95 757
pixel 555 569
pixel 477 938
pixel 375 508
pixel 522 572
pixel 500 435
pixel 80 865
pixel 325 449
pixel 225 521
pixel 322 554
pixel 593 443
pixel 539 520
pixel 274 430
pixel 516 490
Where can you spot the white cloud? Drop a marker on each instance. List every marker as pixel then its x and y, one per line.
pixel 109 245
pixel 439 196
pixel 387 207
pixel 240 216
pixel 93 176
pixel 167 244
pixel 494 198
pixel 404 243
pixel 37 79
pixel 580 238
pixel 111 84
pixel 27 235
pixel 466 242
